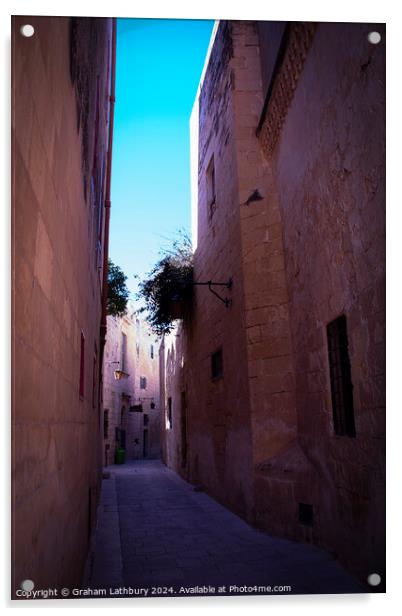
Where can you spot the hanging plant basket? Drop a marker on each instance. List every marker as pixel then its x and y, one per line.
pixel 177 308
pixel 167 292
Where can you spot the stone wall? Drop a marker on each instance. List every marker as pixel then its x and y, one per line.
pixel 126 405
pixel 330 170
pixel 309 248
pixel 269 345
pixel 57 251
pixel 173 424
pixel 217 415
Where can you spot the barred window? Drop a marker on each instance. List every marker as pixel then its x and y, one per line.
pixel 217 365
pixel 341 378
pixel 106 424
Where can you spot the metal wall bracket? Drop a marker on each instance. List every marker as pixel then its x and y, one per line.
pixel 210 284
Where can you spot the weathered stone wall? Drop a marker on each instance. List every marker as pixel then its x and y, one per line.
pixel 120 395
pixel 330 170
pixel 269 346
pixel 217 417
pixel 148 367
pixel 57 244
pixel 261 439
pixel 172 384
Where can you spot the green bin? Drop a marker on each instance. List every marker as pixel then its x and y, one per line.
pixel 120 456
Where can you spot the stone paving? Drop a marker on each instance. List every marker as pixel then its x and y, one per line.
pixel 154 530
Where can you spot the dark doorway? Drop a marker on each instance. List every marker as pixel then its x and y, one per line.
pixel 145 444
pixel 123 417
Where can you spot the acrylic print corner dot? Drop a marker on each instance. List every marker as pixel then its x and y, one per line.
pixel 374 38
pixel 374 579
pixel 27 30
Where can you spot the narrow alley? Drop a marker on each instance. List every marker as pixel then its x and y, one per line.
pixel 198 302
pixel 155 531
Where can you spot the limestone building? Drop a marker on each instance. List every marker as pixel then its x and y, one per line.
pixel 275 404
pixel 62 119
pixel 131 410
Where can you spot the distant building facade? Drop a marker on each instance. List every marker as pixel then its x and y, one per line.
pixel 61 138
pixel 131 410
pixel 276 404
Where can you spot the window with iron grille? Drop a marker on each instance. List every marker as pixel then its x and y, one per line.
pixel 217 365
pixel 143 382
pixel 106 424
pixel 341 378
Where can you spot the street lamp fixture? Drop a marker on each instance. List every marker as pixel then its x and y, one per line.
pixel 120 374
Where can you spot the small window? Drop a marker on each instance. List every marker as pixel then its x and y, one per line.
pixel 217 365
pixel 306 516
pixel 82 365
pixel 152 351
pixel 341 378
pixel 169 414
pixel 143 382
pixel 211 188
pixel 152 405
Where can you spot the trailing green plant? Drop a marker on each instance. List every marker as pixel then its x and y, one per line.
pixel 117 292
pixel 167 289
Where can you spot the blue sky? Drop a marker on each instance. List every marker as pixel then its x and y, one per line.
pixel 158 67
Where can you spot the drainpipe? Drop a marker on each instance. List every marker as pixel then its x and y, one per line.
pixel 107 203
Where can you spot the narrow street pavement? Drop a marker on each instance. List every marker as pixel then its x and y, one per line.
pixel 154 530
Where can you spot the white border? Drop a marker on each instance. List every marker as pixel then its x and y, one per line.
pixel 341 10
